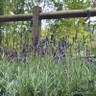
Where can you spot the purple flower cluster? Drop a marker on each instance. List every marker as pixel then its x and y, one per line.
pixel 31 24
pixel 88 17
pixel 60 47
pixel 91 81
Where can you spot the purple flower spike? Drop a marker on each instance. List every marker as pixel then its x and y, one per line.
pixel 52 37
pixel 54 41
pixel 24 28
pixel 9 59
pixel 32 38
pixel 73 39
pixel 25 55
pixel 31 46
pixel 47 39
pixel 25 37
pixel 86 19
pixel 59 45
pixel 5 52
pixel 68 35
pixel 76 36
pixel 90 81
pixel 23 49
pixel 36 40
pixel 84 42
pixel 30 31
pixel 26 45
pixel 24 59
pixel 54 54
pixel 31 24
pixel 63 55
pixel 88 13
pixel 6 42
pixel 12 55
pixel 91 60
pixel 21 34
pixel 83 23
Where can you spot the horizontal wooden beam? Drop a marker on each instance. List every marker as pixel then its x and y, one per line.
pixel 67 14
pixel 49 15
pixel 17 17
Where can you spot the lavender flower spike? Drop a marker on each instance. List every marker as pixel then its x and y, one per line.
pixel 31 24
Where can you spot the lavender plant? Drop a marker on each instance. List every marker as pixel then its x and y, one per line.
pixel 34 72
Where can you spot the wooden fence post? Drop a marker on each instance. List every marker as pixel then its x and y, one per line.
pixel 36 28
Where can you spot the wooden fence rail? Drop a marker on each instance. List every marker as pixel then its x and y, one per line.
pixel 49 15
pixel 38 16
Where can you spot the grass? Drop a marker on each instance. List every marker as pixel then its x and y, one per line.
pixel 47 77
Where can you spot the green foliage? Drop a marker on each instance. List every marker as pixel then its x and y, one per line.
pixel 45 76
pixel 77 4
pixel 1 13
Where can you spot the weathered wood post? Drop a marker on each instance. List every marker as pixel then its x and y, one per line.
pixel 36 28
